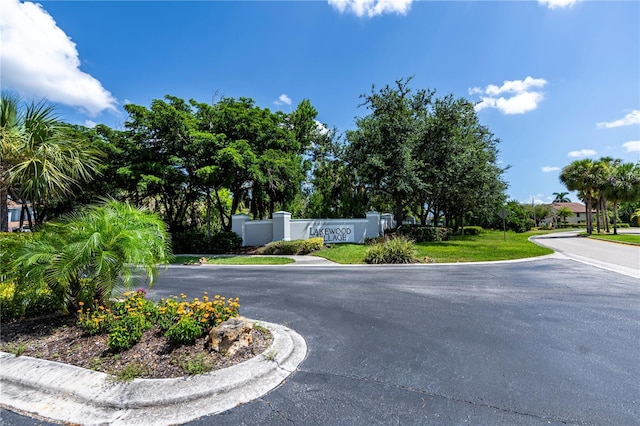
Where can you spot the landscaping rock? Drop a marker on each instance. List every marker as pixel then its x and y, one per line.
pixel 231 336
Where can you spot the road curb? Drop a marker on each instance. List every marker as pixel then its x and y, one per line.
pixel 72 394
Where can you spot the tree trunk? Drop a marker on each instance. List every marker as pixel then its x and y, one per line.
pixel 587 203
pixel 399 213
pixel 4 209
pixel 226 225
pixel 605 214
pixel 615 218
pixel 208 214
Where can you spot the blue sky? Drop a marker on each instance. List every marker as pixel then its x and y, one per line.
pixel 555 80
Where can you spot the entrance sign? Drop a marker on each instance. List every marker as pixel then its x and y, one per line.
pixel 334 233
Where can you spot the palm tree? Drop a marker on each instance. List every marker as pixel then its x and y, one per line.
pixel 583 176
pixel 561 197
pixel 39 160
pixel 86 255
pixel 623 185
pixel 10 142
pixel 564 213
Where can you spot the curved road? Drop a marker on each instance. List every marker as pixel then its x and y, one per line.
pixel 621 258
pixel 547 341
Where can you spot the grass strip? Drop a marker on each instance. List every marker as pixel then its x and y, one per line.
pixel 619 238
pixel 488 246
pixel 233 260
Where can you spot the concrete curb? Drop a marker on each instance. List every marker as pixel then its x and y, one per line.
pixel 76 395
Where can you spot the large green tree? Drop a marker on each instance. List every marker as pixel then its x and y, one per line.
pixel 382 148
pixel 192 161
pixel 458 164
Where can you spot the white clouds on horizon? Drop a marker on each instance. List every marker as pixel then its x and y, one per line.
pixel 90 124
pixel 371 8
pixel 38 59
pixel 525 95
pixel 554 4
pixel 283 100
pixel 582 153
pixel 549 169
pixel 628 120
pixel 631 146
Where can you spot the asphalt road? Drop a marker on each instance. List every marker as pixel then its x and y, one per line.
pixel 549 341
pixel 520 343
pixel 621 257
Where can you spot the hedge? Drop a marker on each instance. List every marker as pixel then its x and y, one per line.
pixel 294 247
pixel 198 243
pixel 419 233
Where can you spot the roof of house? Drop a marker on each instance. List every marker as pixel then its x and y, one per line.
pixel 12 204
pixel 574 207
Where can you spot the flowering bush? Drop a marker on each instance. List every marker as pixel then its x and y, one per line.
pixel 181 320
pixel 184 321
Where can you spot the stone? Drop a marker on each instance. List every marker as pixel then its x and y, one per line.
pixel 231 336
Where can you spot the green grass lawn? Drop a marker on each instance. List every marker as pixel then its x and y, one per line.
pixel 622 238
pixel 233 260
pixel 490 245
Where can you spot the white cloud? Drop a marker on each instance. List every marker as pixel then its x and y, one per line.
pixel 322 129
pixel 283 100
pixel 371 8
pixel 553 4
pixel 632 146
pixel 549 169
pixel 582 153
pixel 126 101
pixel 628 120
pixel 525 95
pixel 90 124
pixel 38 59
pixel 537 199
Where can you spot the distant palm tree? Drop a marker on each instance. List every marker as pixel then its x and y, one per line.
pixel 623 185
pixel 561 197
pixel 39 160
pixel 583 176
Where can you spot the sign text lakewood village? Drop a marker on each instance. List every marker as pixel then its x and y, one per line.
pixel 334 234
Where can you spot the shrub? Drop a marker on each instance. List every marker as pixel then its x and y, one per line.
pixel 202 315
pixel 396 250
pixel 472 230
pixel 127 331
pixel 420 234
pixel 86 254
pixel 293 247
pixel 19 298
pixel 198 242
pixel 182 321
pixel 186 330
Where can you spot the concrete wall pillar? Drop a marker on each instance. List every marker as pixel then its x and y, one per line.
pixel 282 226
pixel 374 229
pixel 387 221
pixel 237 225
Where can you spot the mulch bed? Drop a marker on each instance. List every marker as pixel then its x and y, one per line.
pixel 58 338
